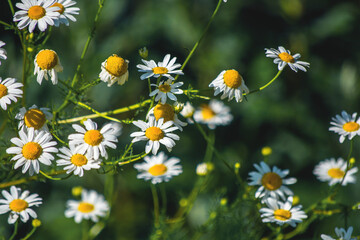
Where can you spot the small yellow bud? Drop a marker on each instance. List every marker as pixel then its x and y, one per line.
pixel 352 161
pixel 237 165
pixel 223 201
pixel 30 49
pixel 296 200
pixel 143 52
pixel 36 223
pixel 210 166
pixel 213 215
pixel 76 191
pixel 266 151
pixel 178 107
pixel 183 202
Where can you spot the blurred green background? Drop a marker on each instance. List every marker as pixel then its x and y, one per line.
pixel 292 116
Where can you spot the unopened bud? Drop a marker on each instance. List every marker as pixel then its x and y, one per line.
pixel 143 52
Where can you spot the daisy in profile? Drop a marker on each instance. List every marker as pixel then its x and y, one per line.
pixel 93 141
pixel 9 91
pixel 345 125
pixel 282 212
pixel 333 171
pixel 213 114
pixel 283 57
pixel 167 112
pixel 272 182
pixel 35 117
pixel 114 69
pixel 166 89
pixel 76 162
pixel 188 111
pixel 19 204
pixel 231 84
pixel 66 11
pixel 92 206
pixel 2 51
pixel 155 132
pixel 341 234
pixel 31 148
pixel 158 168
pixel 164 68
pixel 47 63
pixel 36 12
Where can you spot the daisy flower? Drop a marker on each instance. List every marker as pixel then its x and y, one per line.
pixel 9 91
pixel 47 63
pixel 341 234
pixel 166 89
pixel 345 125
pixel 36 12
pixel 164 68
pixel 155 132
pixel 272 182
pixel 231 84
pixel 19 204
pixel 76 162
pixel 202 169
pixel 2 51
pixel 167 112
pixel 282 212
pixel 35 117
pixel 283 57
pixel 31 148
pixel 213 114
pixel 114 69
pixel 66 11
pixel 333 171
pixel 158 168
pixel 93 141
pixel 92 206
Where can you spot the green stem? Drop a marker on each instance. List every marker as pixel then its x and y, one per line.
pixel 266 85
pixel 29 234
pixel 49 177
pixel 348 161
pixel 11 7
pixel 5 24
pixel 15 230
pixel 156 206
pixel 133 160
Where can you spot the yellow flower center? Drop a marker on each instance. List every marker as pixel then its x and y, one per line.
pixel 36 12
pixel 336 173
pixel 46 59
pixel 154 133
pixel 157 170
pixel 271 181
pixel 282 214
pixel 160 70
pixel 18 205
pixel 34 118
pixel 93 137
pixel 85 207
pixel 207 112
pixel 3 91
pixel 116 65
pixel 232 79
pixel 348 127
pixel 165 88
pixel 59 5
pixel 165 111
pixel 78 160
pixel 286 57
pixel 31 150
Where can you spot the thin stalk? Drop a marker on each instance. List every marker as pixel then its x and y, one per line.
pixel 11 7
pixel 15 230
pixel 29 234
pixel 5 24
pixel 133 160
pixel 266 85
pixel 156 206
pixel 348 161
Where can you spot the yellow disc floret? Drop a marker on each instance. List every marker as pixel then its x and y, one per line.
pixel 232 78
pixel 157 170
pixel 165 111
pixel 271 181
pixel 34 118
pixel 3 91
pixel 59 5
pixel 18 205
pixel 165 88
pixel 154 133
pixel 36 12
pixel 351 126
pixel 93 137
pixel 78 160
pixel 47 59
pixel 282 214
pixel 286 57
pixel 160 70
pixel 31 150
pixel 207 112
pixel 116 65
pixel 85 207
pixel 336 173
